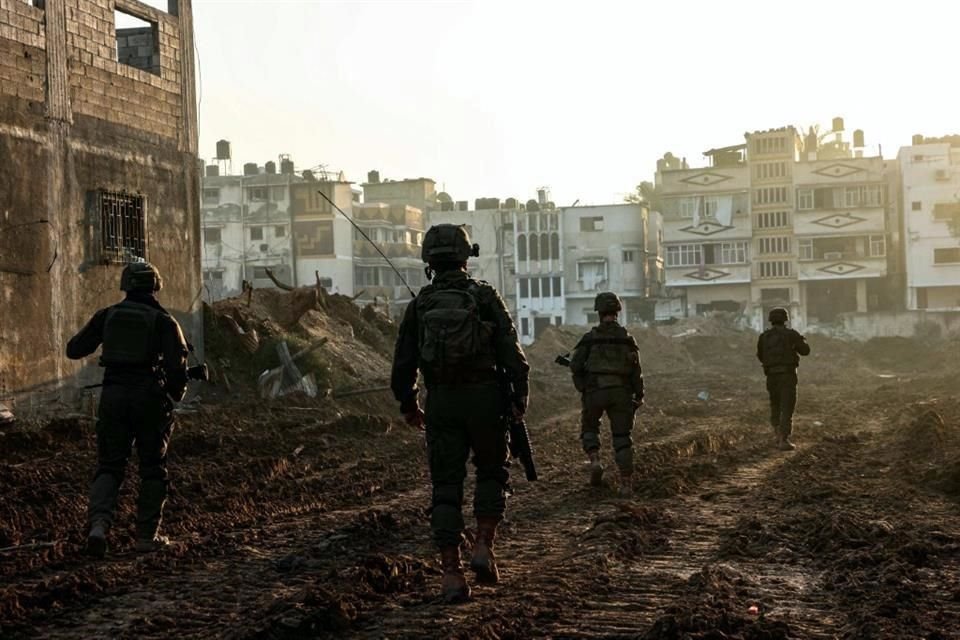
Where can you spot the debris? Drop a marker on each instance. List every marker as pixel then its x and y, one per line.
pixel 703 395
pixel 287 377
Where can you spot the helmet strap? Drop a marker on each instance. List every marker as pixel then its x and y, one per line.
pixel 427 271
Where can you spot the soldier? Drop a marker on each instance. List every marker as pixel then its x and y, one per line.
pixel 779 349
pixel 145 360
pixel 606 371
pixel 459 334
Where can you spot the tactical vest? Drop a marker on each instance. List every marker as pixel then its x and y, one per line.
pixel 130 336
pixel 778 353
pixel 611 358
pixel 455 345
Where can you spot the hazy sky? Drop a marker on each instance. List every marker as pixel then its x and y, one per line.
pixel 497 98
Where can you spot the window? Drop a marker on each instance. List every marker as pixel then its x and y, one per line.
pixel 314 238
pixel 534 287
pixel 557 321
pixel 525 326
pixel 258 193
pixel 213 275
pixel 777 269
pixel 594 223
pixel 777 244
pixel 211 235
pixel 367 276
pixel 256 233
pixel 555 245
pixel 545 287
pixel 123 231
pixel 211 196
pixel 733 252
pixel 949 211
pixel 524 288
pixel 878 246
pixel 922 302
pixel 521 247
pixel 628 256
pixel 765 170
pixel 770 195
pixel 805 246
pixel 949 255
pixel 278 194
pixel 279 231
pixel 554 221
pixel 534 247
pixel 326 283
pixel 545 246
pixel 770 145
pixel 916 205
pixel 138 42
pixel 557 287
pixel 684 255
pixel 773 220
pixel 804 199
pixel 592 273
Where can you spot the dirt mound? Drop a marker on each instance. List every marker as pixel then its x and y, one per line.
pixel 243 333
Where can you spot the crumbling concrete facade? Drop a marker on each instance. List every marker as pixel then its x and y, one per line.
pixel 98 166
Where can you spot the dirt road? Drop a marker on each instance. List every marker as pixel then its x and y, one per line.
pixel 299 523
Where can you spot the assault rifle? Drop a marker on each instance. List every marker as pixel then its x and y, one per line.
pixel 563 360
pixel 519 437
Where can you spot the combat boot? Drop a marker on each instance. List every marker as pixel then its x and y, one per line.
pixel 785 445
pixel 483 563
pixel 596 469
pixel 97 540
pixel 453 586
pixel 626 485
pixel 149 545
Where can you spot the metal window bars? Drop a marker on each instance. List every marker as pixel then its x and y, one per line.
pixel 123 229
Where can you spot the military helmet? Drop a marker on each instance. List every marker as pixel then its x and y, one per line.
pixel 778 315
pixel 607 302
pixel 448 243
pixel 140 276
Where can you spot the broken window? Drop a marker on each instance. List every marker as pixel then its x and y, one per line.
pixel 258 193
pixel 138 42
pixel 123 231
pixel 594 223
pixel 211 235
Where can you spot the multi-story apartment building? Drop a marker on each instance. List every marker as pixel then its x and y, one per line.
pixel 779 221
pixel 322 237
pixel 707 233
pixel 246 229
pixel 610 248
pixel 928 187
pixel 398 232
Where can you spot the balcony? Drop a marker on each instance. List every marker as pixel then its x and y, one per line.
pixel 695 276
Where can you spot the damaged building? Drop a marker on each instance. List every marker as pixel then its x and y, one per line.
pixel 98 141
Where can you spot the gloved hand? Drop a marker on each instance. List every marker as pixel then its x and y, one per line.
pixel 411 411
pixel 414 418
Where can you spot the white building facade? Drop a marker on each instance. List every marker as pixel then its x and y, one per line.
pixel 929 195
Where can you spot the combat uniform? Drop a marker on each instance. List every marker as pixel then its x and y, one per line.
pixel 145 359
pixel 779 349
pixel 465 405
pixel 606 371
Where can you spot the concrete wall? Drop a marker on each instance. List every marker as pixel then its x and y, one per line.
pixel 74 121
pixel 905 324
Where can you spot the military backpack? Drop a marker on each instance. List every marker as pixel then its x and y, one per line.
pixel 778 351
pixel 453 338
pixel 129 336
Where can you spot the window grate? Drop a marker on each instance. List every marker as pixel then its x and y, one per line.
pixel 123 230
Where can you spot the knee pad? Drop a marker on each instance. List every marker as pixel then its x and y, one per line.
pixel 590 441
pixel 623 451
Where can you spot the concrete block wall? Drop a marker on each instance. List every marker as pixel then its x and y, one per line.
pixel 74 121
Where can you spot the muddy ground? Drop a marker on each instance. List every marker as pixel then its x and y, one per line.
pixel 304 518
